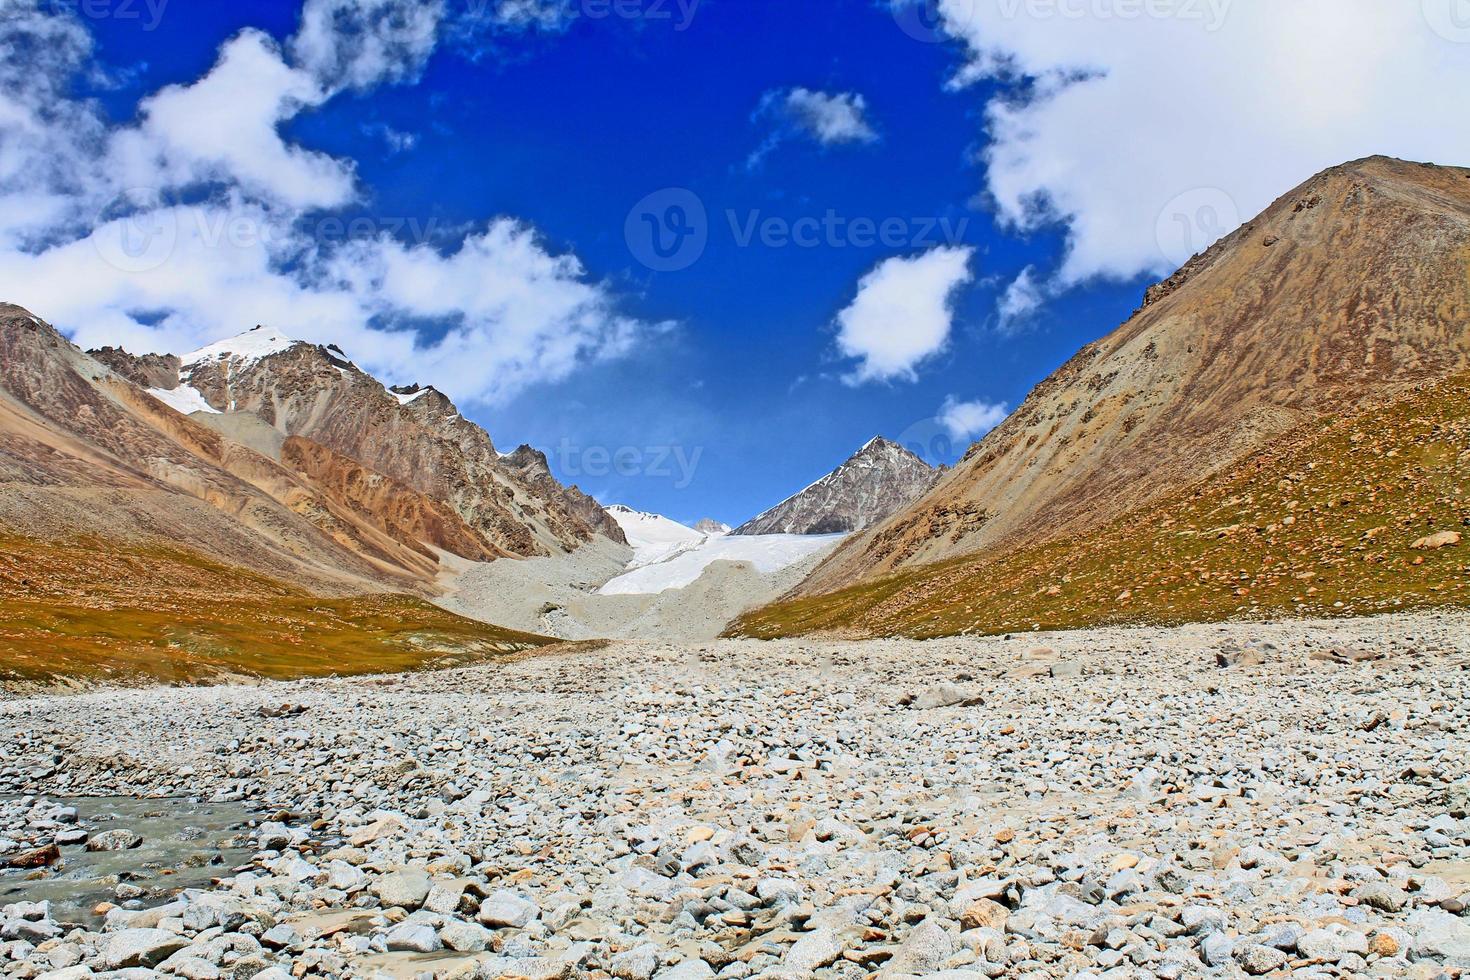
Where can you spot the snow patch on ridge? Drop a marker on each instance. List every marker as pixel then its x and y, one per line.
pixel 244 349
pixel 653 538
pixel 767 552
pixel 184 399
pixel 406 399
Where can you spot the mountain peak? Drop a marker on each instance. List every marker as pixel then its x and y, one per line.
pixel 252 345
pixel 711 527
pixel 877 480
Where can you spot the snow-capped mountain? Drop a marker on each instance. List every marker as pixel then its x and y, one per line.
pixel 654 537
pixel 710 526
pixel 880 479
pixel 413 435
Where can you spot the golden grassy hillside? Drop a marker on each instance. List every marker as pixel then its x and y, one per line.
pixel 95 611
pixel 1321 523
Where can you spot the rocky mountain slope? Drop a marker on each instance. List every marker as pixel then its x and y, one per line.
pixel 134 533
pixel 1349 287
pixel 1356 514
pixel 878 480
pixel 413 435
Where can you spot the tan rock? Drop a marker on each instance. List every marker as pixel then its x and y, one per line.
pixel 1382 944
pixel 1442 539
pixel 985 914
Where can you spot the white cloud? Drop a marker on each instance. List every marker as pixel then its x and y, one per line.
pixel 967 421
pixel 225 128
pixel 47 140
pixel 360 44
pixel 1022 298
pixel 533 15
pixel 827 118
pixel 520 314
pixel 830 117
pixel 396 140
pixel 902 313
pixel 1135 104
pixel 482 314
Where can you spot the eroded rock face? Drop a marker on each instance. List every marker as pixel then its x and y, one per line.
pixel 143 370
pixel 880 479
pixel 1367 287
pixel 83 447
pixel 414 435
pixel 409 516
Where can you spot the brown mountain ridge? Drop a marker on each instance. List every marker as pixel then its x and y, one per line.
pixel 1351 287
pixel 93 462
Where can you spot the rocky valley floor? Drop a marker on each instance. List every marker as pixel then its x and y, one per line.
pixel 1211 800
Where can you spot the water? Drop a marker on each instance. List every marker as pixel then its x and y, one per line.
pixel 186 844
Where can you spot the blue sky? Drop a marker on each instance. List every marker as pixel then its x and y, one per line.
pixel 728 388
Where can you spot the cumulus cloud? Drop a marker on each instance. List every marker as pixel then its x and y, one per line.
pixel 225 129
pixel 1022 298
pixel 902 314
pixel 830 117
pixel 826 118
pixel 1148 130
pixel 47 140
pixel 202 219
pixel 360 44
pixel 967 421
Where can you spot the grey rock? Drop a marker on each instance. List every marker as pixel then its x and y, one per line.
pixel 404 889
pixel 507 909
pixel 638 963
pixel 118 839
pixel 140 947
pixel 413 937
